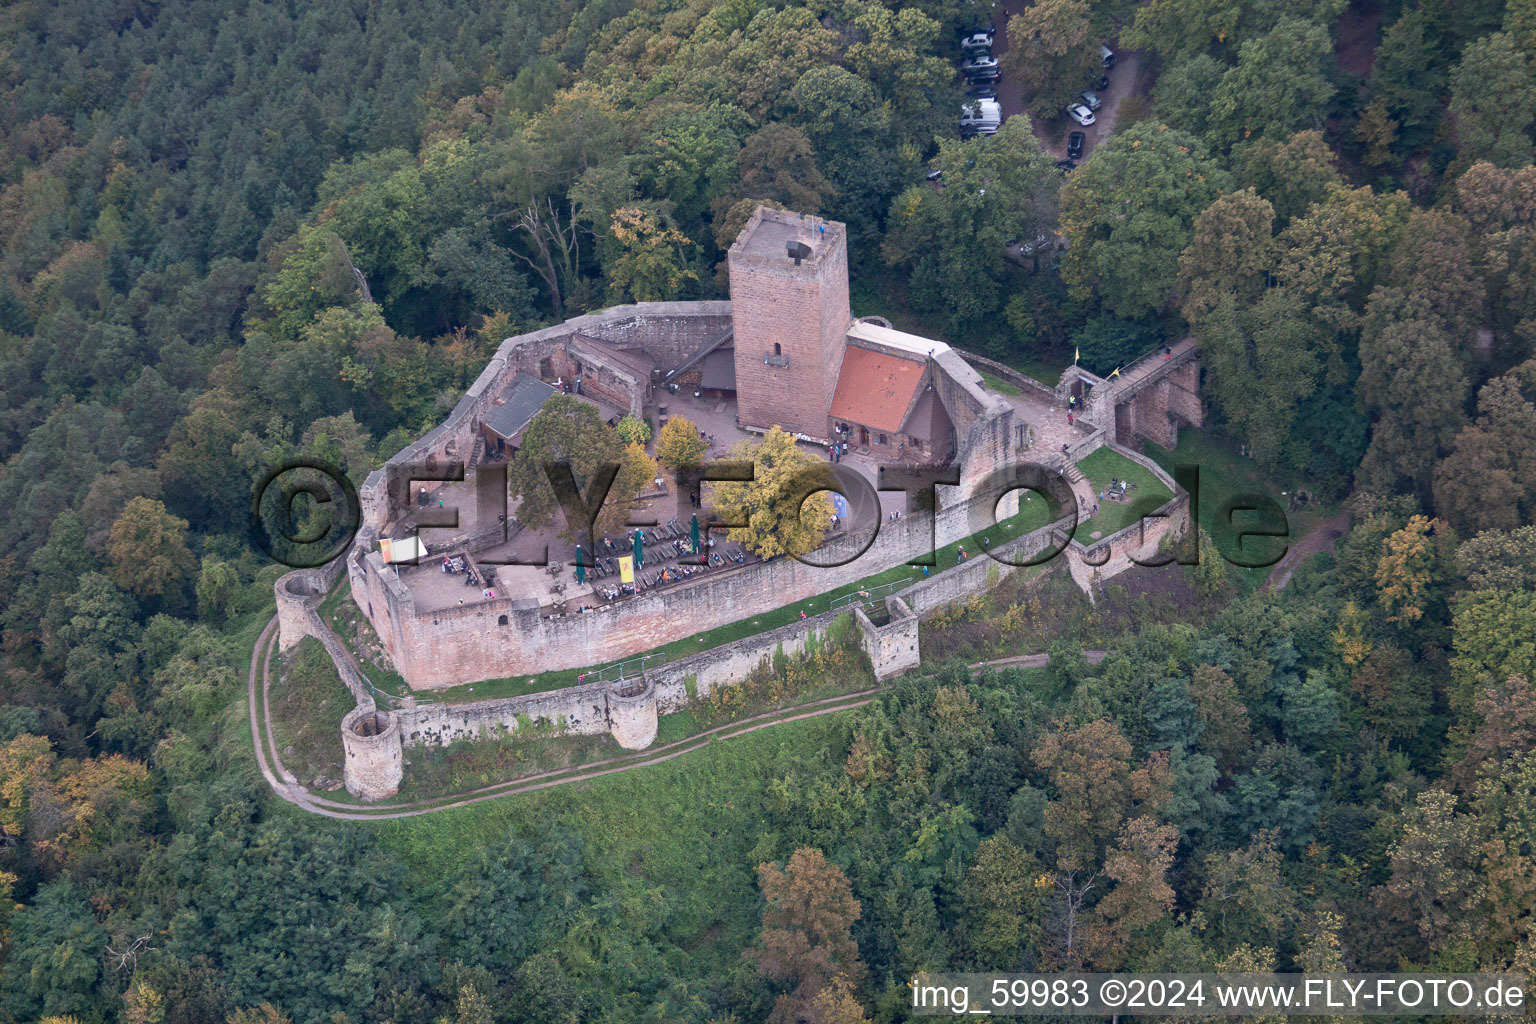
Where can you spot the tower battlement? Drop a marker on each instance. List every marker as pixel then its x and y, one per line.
pixel 790 314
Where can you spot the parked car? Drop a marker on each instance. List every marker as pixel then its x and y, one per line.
pixel 981 115
pixel 1107 56
pixel 982 92
pixel 976 41
pixel 1075 145
pixel 1103 83
pixel 935 175
pixel 1040 242
pixel 979 62
pixel 983 77
pixel 1081 114
pixel 1091 100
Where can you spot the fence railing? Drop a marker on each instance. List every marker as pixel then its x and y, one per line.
pixel 870 595
pixel 630 668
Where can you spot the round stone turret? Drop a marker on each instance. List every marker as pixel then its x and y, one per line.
pixel 632 713
pixel 370 740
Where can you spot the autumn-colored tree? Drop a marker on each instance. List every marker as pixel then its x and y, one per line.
pixel 1434 884
pixel 679 446
pixel 806 940
pixel 265 1013
pixel 1232 253
pixel 1140 896
pixel 1097 786
pixel 1505 809
pixel 1394 692
pixel 1487 481
pixel 653 260
pixel 25 763
pixel 1377 132
pixel 633 430
pixel 786 507
pixel 1412 561
pixel 1505 728
pixel 1245 894
pixel 778 164
pixel 148 551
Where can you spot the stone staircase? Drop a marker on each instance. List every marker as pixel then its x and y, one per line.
pixel 1072 473
pixel 475 454
pixel 713 342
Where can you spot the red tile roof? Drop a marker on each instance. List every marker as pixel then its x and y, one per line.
pixel 875 389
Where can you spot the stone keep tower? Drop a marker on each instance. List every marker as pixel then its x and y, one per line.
pixel 790 316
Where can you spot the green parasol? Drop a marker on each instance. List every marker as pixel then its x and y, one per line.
pixel 581 567
pixel 639 549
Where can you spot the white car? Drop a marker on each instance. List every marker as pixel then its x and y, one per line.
pixel 1081 114
pixel 976 41
pixel 980 62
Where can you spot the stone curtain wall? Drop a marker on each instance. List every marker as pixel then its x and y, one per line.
pixel 373 760
pixel 466 644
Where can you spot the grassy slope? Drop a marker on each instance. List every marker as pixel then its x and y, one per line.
pixel 1225 474
pixel 692 827
pixel 308 702
pixel 1105 465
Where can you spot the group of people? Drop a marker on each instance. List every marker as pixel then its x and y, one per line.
pixel 455 564
pixel 837 451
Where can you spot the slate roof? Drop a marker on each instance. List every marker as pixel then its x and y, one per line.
pixel 520 401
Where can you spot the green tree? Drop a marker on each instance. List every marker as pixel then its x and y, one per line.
pixel 1493 96
pixel 1002 903
pixel 1130 212
pixel 1408 80
pixel 1280 84
pixel 1292 174
pixel 54 963
pixel 951 243
pixel 1052 52
pixel 568 429
pixel 1412 384
pixel 1260 363
pixel 1183 92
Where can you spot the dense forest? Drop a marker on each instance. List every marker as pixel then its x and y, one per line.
pixel 239 231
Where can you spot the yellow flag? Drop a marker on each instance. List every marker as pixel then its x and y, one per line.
pixel 1077 354
pixel 627 569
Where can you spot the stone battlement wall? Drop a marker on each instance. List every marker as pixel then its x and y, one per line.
pixel 472 642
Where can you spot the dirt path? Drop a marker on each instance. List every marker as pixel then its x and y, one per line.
pixel 285 786
pixel 1029 661
pixel 1322 538
pixel 259 684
